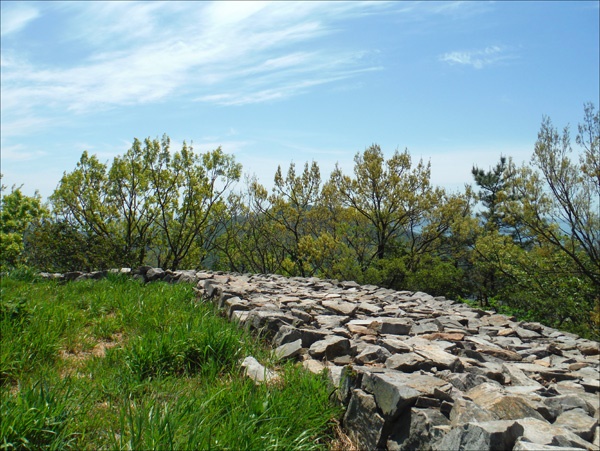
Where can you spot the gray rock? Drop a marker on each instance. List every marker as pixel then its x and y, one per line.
pixel 543 433
pixel 523 445
pixel 268 322
pixel 418 431
pixel 466 411
pixel 286 334
pixel 425 326
pixel 396 391
pixel 372 354
pixel 314 366
pixel 363 422
pixel 212 288
pixel 330 348
pixel 589 347
pixel 506 407
pixel 578 421
pixel 257 372
pixel 391 326
pixel 563 403
pixel 340 307
pixel 289 350
pixel 489 435
pixel 526 333
pixel 394 345
pixel 408 363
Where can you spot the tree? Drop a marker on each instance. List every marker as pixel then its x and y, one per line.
pixel 492 184
pixel 188 189
pixel 149 205
pixel 83 199
pixel 560 201
pixel 292 209
pixel 129 188
pixel 386 193
pixel 17 213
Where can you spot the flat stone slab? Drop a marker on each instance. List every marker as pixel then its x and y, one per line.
pixel 415 371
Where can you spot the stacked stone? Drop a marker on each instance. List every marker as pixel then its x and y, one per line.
pixel 416 371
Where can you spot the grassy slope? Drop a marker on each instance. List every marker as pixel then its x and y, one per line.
pixel 119 365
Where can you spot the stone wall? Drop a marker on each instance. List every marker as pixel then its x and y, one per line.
pixel 414 371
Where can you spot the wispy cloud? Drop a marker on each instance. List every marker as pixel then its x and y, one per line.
pixel 19 152
pixel 477 58
pixel 15 16
pixel 131 53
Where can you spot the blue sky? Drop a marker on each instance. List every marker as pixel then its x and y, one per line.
pixel 457 83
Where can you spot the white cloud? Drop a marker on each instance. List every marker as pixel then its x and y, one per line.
pixel 136 53
pixel 477 58
pixel 16 16
pixel 19 152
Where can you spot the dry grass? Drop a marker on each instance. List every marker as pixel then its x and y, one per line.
pixel 342 441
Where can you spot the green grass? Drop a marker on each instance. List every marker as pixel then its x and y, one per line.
pixel 115 364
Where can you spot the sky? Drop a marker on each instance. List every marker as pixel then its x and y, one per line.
pixel 456 83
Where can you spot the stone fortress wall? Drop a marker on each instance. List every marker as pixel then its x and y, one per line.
pixel 415 371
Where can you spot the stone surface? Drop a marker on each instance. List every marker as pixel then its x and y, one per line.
pixel 412 370
pixel 489 435
pixel 578 421
pixel 330 348
pixel 543 433
pixel 257 372
pixel 363 421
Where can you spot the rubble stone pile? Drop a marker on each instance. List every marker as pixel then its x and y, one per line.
pixel 416 371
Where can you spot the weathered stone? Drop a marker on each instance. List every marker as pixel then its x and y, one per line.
pixel 373 353
pixel 330 348
pixel 465 381
pixel 418 431
pixel 449 322
pixel 395 391
pixel 390 392
pixel 257 372
pixel 506 407
pixel 518 377
pixel 301 315
pixel 425 327
pixel 391 326
pixel 543 433
pixel 578 421
pixel 440 359
pixel 340 307
pixel 408 363
pixel 395 346
pixel 588 347
pixel 269 321
pixel 289 350
pixel 511 369
pixel 363 422
pixel 456 336
pixel 331 321
pixel 368 308
pixel 490 435
pixel 286 334
pixel 503 354
pixel 526 333
pixel 314 366
pixel 466 411
pixel 522 444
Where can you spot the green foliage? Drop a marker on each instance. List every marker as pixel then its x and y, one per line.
pixel 534 243
pixel 132 366
pixel 17 213
pixel 36 419
pixel 387 193
pixel 150 206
